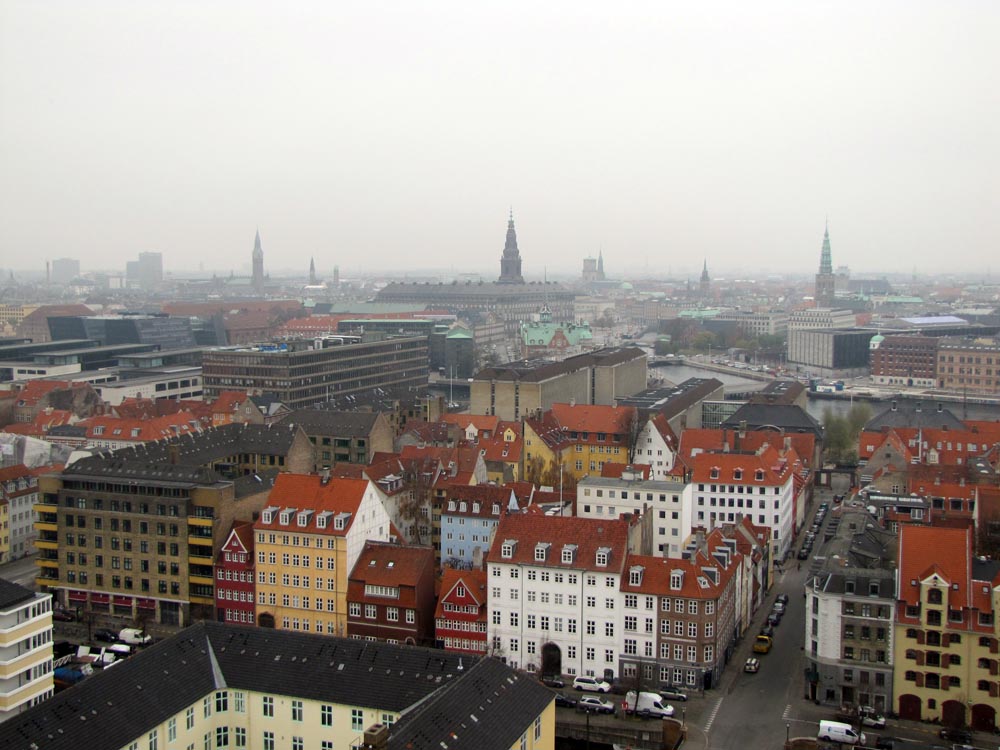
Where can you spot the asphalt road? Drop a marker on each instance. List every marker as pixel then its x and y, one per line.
pixel 21 572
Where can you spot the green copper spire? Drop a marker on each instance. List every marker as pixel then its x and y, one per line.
pixel 825 261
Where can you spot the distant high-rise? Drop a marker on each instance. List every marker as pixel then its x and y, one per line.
pixel 510 262
pixel 64 270
pixel 826 281
pixel 705 283
pixel 258 265
pixel 147 272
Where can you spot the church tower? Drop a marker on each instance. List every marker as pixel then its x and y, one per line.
pixel 312 272
pixel 705 283
pixel 258 265
pixel 600 265
pixel 825 279
pixel 510 261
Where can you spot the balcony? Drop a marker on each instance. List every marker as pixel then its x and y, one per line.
pixel 46 544
pixel 208 580
pixel 199 521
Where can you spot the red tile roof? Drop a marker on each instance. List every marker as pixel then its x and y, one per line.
pixel 584 418
pixel 474 582
pixel 695 581
pixel 614 471
pixel 140 430
pixel 587 534
pixel 385 564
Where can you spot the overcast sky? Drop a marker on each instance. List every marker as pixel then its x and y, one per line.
pixel 379 135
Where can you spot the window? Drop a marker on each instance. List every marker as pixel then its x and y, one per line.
pixel 189 718
pixel 357 719
pixel 268 705
pixel 411 616
pixel 268 741
pixel 240 736
pixel 172 730
pixel 222 701
pixel 222 737
pixel 296 710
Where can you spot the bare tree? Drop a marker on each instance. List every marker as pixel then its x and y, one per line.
pixel 633 428
pixel 414 503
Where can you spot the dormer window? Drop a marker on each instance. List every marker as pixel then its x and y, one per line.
pixel 285 517
pixel 267 516
pixel 541 550
pixel 303 517
pixel 715 472
pixel 602 557
pixel 568 554
pixel 475 507
pixel 759 475
pixel 136 431
pixel 635 575
pixel 676 580
pixel 451 505
pixel 507 549
pixel 496 509
pixel 462 507
pixel 321 521
pixel 738 474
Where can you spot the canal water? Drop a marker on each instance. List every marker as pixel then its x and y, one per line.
pixel 816 407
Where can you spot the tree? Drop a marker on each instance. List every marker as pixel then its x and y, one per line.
pixel 841 433
pixel 633 428
pixel 414 502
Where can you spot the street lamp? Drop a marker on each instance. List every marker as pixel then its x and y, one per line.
pixel 788 728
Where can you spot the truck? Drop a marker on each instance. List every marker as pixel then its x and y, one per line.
pixel 762 644
pixel 866 716
pixel 647 704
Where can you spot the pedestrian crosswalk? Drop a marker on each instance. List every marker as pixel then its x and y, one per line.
pixel 711 714
pixel 787 713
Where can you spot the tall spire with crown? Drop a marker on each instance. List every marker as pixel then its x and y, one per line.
pixel 825 280
pixel 510 261
pixel 258 264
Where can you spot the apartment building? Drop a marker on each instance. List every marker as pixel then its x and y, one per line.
pixel 25 649
pixel 469 515
pixel 307 540
pixel 460 620
pixel 235 590
pixel 580 438
pixel 679 618
pixel 609 497
pixel 970 365
pixel 215 685
pixel 762 485
pixel 390 594
pixel 132 538
pixel 947 630
pixel 553 593
pixel 18 498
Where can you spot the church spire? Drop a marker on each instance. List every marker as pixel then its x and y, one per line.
pixel 825 259
pixel 312 271
pixel 510 261
pixel 258 264
pixel 825 280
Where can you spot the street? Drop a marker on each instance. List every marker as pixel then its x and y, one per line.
pixel 21 572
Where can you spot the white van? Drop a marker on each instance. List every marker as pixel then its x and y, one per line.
pixel 647 704
pixel 838 731
pixel 134 637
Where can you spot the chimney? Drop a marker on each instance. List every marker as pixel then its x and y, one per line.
pixel 324 477
pixel 940 407
pixel 172 453
pixel 892 407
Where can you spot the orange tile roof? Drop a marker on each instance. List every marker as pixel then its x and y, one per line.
pixel 15 471
pixel 140 430
pixel 766 467
pixel 704 440
pixel 588 534
pixel 695 582
pixel 308 492
pixel 580 418
pixel 482 422
pixel 614 471
pixel 927 549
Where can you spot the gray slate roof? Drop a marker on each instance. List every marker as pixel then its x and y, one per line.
pixel 910 414
pixel 787 417
pixel 340 423
pixel 112 708
pixel 12 593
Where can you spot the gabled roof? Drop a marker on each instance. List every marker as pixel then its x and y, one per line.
pixel 345 424
pixel 696 581
pixel 228 402
pixel 309 492
pixel 112 709
pixel 141 430
pixel 474 582
pixel 614 471
pixel 594 419
pixel 925 550
pixel 765 467
pixel 585 535
pixel 242 534
pixel 786 417
pixel 482 422
pixel 385 564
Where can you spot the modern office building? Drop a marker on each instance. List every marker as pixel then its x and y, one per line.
pixel 830 353
pixel 64 270
pixel 146 272
pixel 302 373
pixel 162 331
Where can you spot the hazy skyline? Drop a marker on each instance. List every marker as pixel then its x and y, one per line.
pixel 396 136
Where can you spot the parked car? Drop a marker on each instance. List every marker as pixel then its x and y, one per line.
pixel 762 644
pixel 595 704
pixel 553 681
pixel 958 736
pixel 885 742
pixel 63 615
pixel 768 630
pixel 591 684
pixel 752 665
pixel 672 693
pixel 779 607
pixel 108 636
pixel 565 701
pixel 783 598
pixel 803 553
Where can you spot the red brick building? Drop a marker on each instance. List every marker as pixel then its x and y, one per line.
pixel 390 594
pixel 904 360
pixel 460 619
pixel 234 576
